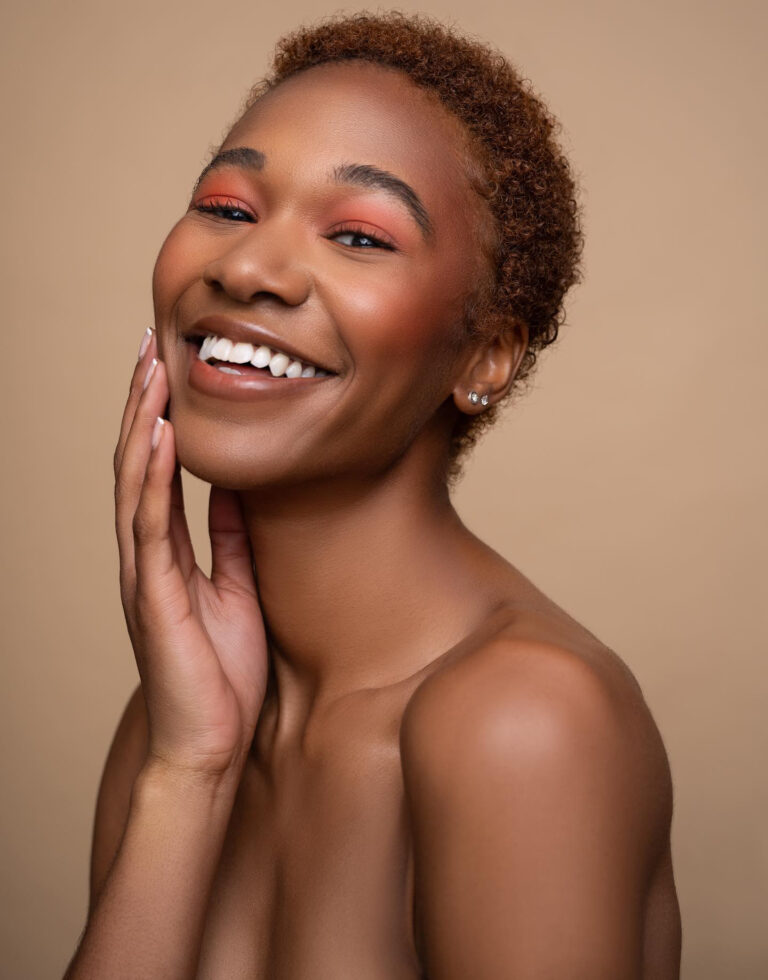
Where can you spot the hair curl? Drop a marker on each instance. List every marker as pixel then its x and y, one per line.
pixel 536 241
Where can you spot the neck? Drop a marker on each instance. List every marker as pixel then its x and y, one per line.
pixel 361 583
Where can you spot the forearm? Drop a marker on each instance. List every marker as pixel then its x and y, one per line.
pixel 148 920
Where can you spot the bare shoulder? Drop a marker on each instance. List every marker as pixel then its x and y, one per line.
pixel 539 797
pixel 124 761
pixel 541 698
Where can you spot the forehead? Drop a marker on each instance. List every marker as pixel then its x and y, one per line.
pixel 357 112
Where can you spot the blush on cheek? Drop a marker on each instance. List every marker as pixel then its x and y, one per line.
pixel 403 319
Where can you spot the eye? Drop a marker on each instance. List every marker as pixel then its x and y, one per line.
pixel 358 237
pixel 223 207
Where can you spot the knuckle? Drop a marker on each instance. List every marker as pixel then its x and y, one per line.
pixel 134 388
pixel 126 484
pixel 143 526
pixel 121 489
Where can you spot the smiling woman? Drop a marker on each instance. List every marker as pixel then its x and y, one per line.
pixel 366 745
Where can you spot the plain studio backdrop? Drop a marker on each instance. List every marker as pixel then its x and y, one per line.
pixel 630 484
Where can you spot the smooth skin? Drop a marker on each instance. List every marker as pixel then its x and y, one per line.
pixel 386 754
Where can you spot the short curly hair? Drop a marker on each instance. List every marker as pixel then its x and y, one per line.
pixel 535 245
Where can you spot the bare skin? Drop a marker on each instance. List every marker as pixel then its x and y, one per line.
pixel 389 755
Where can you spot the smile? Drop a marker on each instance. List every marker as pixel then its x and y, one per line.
pixel 222 353
pixel 215 369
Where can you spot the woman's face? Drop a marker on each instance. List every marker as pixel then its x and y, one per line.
pixel 298 237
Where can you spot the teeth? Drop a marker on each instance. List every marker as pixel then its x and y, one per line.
pixel 221 349
pixel 207 347
pixel 241 353
pixel 279 364
pixel 261 357
pixel 293 370
pixel 226 370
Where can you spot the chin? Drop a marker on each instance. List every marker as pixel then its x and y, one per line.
pixel 237 464
pixel 223 468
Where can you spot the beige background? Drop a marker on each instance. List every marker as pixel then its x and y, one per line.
pixel 630 485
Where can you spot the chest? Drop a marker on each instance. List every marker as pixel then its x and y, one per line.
pixel 316 878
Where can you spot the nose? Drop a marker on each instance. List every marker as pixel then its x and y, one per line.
pixel 261 264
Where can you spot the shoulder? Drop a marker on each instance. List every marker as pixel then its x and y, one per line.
pixel 525 703
pixel 539 797
pixel 124 761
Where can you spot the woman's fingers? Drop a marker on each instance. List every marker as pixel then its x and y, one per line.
pixel 149 345
pixel 159 582
pixel 133 463
pixel 231 558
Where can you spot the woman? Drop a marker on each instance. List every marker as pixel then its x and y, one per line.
pixel 367 746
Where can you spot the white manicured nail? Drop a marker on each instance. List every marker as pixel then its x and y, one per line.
pixel 150 371
pixel 157 431
pixel 145 342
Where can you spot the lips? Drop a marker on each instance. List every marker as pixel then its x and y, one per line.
pixel 249 386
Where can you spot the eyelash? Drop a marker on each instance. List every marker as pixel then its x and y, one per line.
pixel 226 208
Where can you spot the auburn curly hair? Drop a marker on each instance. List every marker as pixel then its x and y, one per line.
pixel 516 166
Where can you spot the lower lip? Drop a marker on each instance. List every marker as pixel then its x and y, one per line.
pixel 209 380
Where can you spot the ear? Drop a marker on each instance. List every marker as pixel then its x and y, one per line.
pixel 491 367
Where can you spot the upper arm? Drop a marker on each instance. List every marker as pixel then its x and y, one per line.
pixel 125 759
pixel 538 809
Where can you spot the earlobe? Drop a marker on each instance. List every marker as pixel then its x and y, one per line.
pixel 490 371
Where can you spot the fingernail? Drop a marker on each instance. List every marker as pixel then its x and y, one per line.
pixel 145 342
pixel 150 372
pixel 157 431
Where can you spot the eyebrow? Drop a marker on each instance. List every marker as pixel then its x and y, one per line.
pixel 364 175
pixel 239 156
pixel 358 174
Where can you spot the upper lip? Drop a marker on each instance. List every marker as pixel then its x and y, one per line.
pixel 240 331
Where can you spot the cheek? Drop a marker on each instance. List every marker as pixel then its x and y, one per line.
pixel 392 316
pixel 176 266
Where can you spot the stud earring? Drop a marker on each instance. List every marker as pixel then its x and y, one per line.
pixel 475 398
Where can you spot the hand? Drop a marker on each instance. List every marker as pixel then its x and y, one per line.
pixel 199 642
